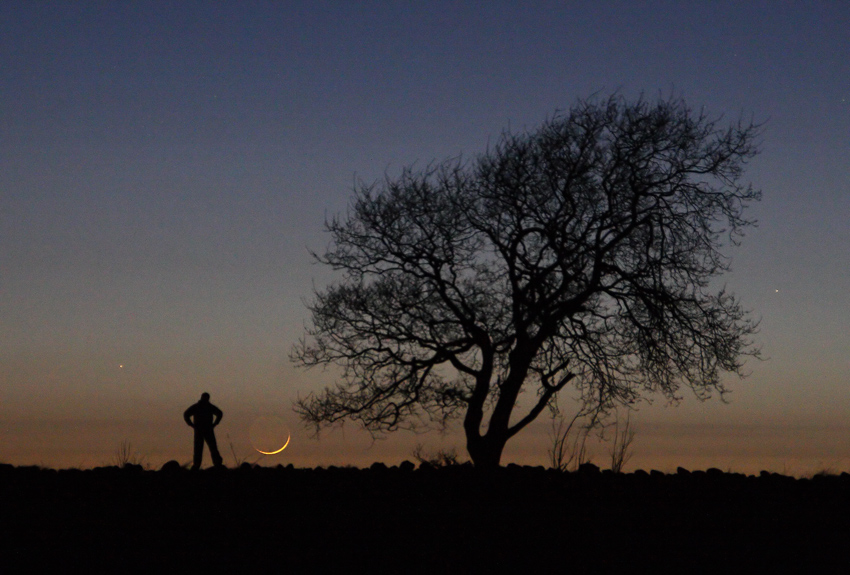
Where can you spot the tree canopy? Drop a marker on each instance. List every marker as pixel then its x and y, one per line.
pixel 583 254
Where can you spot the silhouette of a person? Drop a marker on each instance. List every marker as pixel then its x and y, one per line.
pixel 203 417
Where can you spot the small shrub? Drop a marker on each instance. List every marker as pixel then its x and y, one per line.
pixel 125 455
pixel 621 451
pixel 441 458
pixel 569 445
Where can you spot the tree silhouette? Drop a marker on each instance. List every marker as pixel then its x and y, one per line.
pixel 581 253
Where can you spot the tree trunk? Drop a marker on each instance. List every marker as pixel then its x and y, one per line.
pixel 486 450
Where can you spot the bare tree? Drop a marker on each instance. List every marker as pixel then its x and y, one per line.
pixel 581 253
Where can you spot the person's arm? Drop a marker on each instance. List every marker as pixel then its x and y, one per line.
pixel 217 415
pixel 187 415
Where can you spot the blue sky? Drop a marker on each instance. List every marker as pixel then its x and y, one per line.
pixel 164 170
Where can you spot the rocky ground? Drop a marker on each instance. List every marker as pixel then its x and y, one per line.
pixel 421 520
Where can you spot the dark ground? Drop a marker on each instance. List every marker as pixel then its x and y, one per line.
pixel 401 520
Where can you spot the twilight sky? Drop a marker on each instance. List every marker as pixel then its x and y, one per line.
pixel 164 170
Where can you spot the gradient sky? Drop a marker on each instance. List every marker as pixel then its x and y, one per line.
pixel 165 168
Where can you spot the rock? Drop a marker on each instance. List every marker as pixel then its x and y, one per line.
pixel 171 467
pixel 589 469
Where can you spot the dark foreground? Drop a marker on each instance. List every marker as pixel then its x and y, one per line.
pixel 401 520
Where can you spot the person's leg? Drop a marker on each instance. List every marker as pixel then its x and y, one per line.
pixel 211 442
pixel 199 449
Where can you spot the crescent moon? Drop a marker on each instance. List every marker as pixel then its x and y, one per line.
pixel 288 437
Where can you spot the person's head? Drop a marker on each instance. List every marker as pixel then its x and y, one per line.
pixel 205 396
